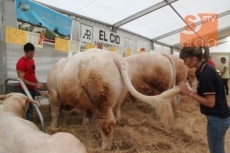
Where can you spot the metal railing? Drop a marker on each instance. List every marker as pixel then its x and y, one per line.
pixel 28 95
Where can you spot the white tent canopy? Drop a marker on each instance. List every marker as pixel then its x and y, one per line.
pixel 157 20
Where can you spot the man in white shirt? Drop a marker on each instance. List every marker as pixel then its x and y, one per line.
pixel 225 74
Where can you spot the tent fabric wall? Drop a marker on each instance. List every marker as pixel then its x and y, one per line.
pixel 166 50
pixel 162 48
pixel 3 68
pixel 2 47
pixel 158 47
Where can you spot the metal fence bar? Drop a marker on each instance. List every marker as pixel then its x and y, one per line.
pixel 28 95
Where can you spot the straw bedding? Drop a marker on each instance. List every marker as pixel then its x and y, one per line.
pixel 140 131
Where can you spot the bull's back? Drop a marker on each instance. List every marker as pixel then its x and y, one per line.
pixel 87 74
pixel 53 73
pixel 62 82
pixel 99 62
pixel 152 69
pixel 99 76
pixel 148 64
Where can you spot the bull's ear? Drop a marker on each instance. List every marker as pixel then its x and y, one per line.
pixel 32 101
pixel 2 97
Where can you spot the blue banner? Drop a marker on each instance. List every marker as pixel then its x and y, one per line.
pixel 48 23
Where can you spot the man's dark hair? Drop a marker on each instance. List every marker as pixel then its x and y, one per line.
pixel 223 59
pixel 28 47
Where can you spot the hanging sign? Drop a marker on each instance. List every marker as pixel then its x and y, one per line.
pixel 36 18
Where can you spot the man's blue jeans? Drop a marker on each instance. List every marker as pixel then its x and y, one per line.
pixel 29 113
pixel 216 130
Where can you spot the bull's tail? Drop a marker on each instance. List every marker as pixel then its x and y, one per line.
pixel 170 93
pixel 160 102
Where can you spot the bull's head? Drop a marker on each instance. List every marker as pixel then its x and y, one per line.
pixel 17 103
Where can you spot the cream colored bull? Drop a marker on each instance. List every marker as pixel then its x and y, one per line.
pixel 153 73
pixel 97 81
pixel 18 135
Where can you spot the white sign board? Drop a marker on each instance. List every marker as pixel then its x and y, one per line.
pixel 106 38
pixel 86 34
pixel 95 35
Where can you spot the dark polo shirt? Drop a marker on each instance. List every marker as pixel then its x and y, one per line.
pixel 209 82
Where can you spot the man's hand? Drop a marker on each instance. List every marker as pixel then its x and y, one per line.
pixel 39 85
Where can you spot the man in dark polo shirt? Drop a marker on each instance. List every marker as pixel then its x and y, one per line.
pixel 210 95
